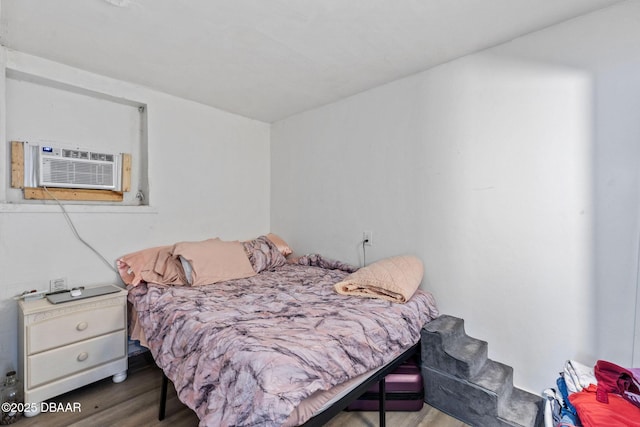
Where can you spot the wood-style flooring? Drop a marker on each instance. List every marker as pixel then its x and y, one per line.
pixel 134 402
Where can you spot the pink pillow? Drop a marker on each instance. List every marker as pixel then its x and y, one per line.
pixel 152 265
pixel 280 244
pixel 214 260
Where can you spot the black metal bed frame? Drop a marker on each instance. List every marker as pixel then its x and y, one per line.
pixel 342 403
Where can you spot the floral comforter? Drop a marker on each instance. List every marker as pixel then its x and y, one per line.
pixel 246 352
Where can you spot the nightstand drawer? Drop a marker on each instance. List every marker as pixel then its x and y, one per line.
pixel 73 327
pixel 58 363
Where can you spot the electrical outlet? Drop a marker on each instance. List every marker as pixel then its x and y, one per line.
pixel 58 284
pixel 367 238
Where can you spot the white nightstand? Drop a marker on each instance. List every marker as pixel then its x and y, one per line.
pixel 68 345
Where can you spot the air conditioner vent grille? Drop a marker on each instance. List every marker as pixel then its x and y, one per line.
pixel 87 155
pixel 76 172
pixel 102 157
pixel 75 154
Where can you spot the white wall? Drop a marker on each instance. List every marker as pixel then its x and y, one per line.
pixel 512 173
pixel 208 176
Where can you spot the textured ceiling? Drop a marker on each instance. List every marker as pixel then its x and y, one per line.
pixel 269 59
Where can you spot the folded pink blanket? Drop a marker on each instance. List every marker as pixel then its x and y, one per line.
pixel 395 279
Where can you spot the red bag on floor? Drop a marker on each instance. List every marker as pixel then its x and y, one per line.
pixel 618 380
pixel 618 412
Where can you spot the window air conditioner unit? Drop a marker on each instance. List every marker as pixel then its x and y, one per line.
pixel 71 168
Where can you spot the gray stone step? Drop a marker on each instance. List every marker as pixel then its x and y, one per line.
pixel 478 406
pixel 523 409
pixel 446 346
pixel 497 379
pixel 461 381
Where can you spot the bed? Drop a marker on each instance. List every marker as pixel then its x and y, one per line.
pixel 274 348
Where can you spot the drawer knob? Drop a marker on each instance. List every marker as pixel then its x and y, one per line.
pixel 83 356
pixel 82 326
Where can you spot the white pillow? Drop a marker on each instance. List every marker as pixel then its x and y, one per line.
pixel 188 271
